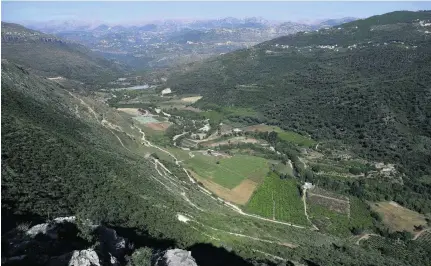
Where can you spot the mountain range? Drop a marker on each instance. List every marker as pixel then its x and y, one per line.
pixel 170 42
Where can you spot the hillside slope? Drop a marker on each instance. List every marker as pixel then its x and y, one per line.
pixel 59 160
pixel 366 83
pixel 50 56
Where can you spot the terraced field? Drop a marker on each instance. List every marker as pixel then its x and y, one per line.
pixel 337 214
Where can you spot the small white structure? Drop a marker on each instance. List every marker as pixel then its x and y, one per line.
pixel 166 91
pixel 205 128
pixel 308 185
pixel 236 130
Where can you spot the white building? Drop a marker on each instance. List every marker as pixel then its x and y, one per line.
pixel 166 91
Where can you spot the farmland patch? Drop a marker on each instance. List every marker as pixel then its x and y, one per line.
pixel 289 136
pixel 145 119
pixel 191 99
pixel 279 199
pixel 398 218
pixel 228 172
pixel 238 195
pixel 159 126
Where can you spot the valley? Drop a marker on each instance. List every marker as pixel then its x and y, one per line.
pixel 308 149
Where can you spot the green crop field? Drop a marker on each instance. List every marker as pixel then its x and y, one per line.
pixel 284 135
pixel 145 119
pixel 229 172
pixel 285 194
pixel 329 221
pixel 360 214
pixel 339 223
pixel 295 138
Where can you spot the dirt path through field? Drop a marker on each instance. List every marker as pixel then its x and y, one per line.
pixel 326 197
pixel 304 200
pixel 188 220
pixel 364 237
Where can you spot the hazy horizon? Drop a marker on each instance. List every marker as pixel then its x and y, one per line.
pixel 123 13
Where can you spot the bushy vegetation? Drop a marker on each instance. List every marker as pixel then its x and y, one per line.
pixel 411 252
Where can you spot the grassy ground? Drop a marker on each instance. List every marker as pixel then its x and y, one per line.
pixel 295 138
pixel 284 135
pixel 398 218
pixel 229 172
pixel 285 194
pixel 328 221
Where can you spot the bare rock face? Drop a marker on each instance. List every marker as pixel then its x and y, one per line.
pixel 49 229
pixel 86 257
pixel 176 257
pixel 59 243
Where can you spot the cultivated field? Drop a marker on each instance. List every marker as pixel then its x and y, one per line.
pixel 328 221
pixel 337 214
pixel 228 172
pixel 145 119
pixel 340 206
pixel 398 218
pixel 191 99
pixel 233 140
pixel 130 111
pixel 284 135
pixel 238 195
pixel 278 199
pixel 158 126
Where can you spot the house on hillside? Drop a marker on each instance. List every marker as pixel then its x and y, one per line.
pixel 308 185
pixel 166 91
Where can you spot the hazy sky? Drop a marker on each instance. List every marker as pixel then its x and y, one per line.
pixel 117 12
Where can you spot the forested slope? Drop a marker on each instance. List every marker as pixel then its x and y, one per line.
pixel 58 161
pixel 50 56
pixel 365 83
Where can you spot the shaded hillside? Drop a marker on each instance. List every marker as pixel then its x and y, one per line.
pixel 50 56
pixel 57 160
pixel 366 83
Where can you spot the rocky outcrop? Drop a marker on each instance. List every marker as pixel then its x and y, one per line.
pixel 86 257
pixel 115 245
pixel 49 229
pixel 176 257
pixel 59 243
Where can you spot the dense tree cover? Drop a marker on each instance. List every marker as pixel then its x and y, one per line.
pixel 374 97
